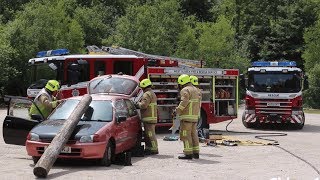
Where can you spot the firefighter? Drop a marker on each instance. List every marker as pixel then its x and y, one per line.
pixel 148 109
pixel 188 112
pixel 45 101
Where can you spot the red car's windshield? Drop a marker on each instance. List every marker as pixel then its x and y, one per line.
pixel 97 111
pixel 112 85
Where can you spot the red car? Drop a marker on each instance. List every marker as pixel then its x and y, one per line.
pixel 110 126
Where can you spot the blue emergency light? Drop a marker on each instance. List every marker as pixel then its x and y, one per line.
pixel 274 63
pixel 56 52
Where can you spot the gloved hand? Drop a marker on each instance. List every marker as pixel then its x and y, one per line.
pixel 59 101
pixel 174 113
pixel 136 105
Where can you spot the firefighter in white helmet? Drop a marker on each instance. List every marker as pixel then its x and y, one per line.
pixel 148 109
pixel 188 112
pixel 44 103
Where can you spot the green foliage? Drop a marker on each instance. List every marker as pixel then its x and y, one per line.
pixel 96 23
pixel 188 43
pixel 42 25
pixel 217 45
pixel 311 54
pixel 7 71
pixel 152 28
pixel 312 65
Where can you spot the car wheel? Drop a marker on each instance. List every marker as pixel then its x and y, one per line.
pixel 108 155
pixel 202 122
pixel 35 159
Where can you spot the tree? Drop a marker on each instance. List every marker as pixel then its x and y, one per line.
pixel 7 71
pixel 97 23
pixel 188 42
pixel 151 28
pixel 42 25
pixel 217 45
pixel 198 8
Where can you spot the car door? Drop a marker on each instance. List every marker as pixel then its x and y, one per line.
pixel 121 133
pixel 17 123
pixel 134 123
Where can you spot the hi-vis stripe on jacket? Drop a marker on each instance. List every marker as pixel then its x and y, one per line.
pixel 148 106
pixel 189 107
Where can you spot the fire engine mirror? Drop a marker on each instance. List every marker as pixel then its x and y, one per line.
pixel 242 81
pixel 53 66
pixel 305 83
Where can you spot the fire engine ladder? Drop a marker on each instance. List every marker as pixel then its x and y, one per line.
pixel 95 50
pixel 125 51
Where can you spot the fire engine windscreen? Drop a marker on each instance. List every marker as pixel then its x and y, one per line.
pixel 275 82
pixel 112 85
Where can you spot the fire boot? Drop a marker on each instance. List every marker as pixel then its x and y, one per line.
pixel 185 157
pixel 196 155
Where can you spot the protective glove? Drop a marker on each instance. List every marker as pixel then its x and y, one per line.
pixel 174 113
pixel 137 105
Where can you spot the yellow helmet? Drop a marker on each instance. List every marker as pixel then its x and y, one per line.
pixel 53 85
pixel 194 80
pixel 145 83
pixel 183 79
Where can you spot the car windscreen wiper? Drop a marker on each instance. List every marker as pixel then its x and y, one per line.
pixel 98 84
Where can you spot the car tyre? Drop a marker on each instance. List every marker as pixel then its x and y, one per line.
pixel 35 159
pixel 108 155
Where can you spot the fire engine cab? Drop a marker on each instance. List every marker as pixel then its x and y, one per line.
pixel 274 94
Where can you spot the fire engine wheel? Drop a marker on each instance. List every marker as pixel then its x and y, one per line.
pixel 246 124
pixel 35 159
pixel 108 156
pixel 300 126
pixel 202 123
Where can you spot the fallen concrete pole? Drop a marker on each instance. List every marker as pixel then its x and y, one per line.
pixel 50 155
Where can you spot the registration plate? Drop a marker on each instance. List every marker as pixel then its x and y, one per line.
pixel 65 149
pixel 273 104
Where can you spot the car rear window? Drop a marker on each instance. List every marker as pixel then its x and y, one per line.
pixel 97 111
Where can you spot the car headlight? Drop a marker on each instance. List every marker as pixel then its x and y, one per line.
pixel 86 139
pixel 34 137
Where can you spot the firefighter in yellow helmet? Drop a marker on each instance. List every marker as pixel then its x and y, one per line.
pixel 45 101
pixel 148 109
pixel 188 112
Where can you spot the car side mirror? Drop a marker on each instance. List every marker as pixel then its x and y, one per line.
pixel 121 119
pixel 37 117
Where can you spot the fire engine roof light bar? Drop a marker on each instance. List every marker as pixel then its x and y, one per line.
pixel 56 52
pixel 274 64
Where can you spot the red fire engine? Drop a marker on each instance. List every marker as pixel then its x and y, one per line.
pixel 219 86
pixel 274 94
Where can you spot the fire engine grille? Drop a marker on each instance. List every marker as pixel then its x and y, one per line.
pixel 273 106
